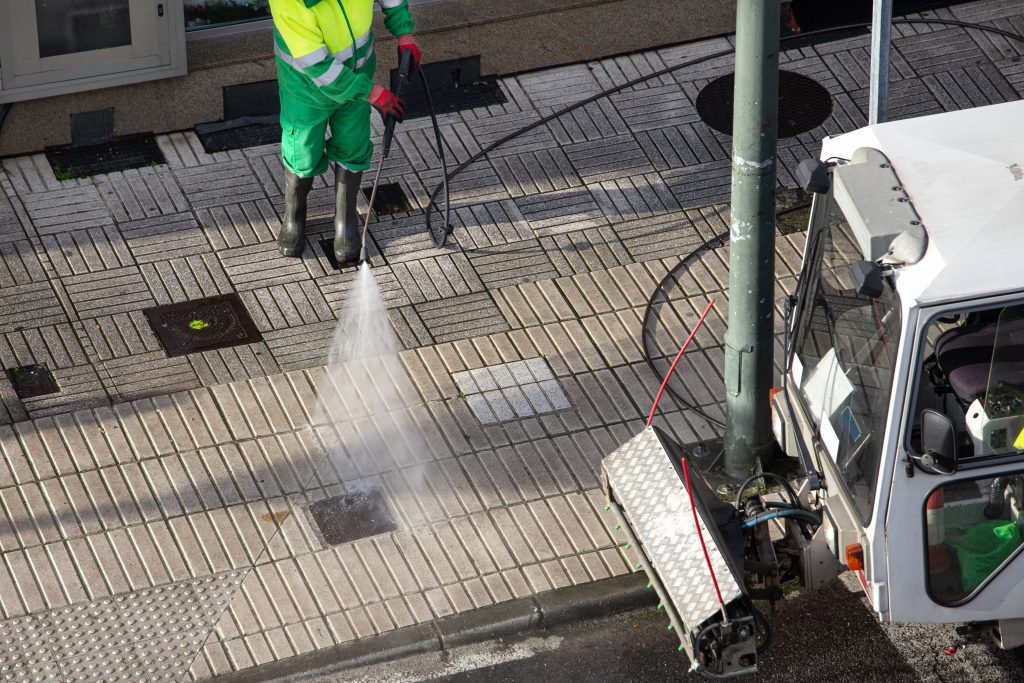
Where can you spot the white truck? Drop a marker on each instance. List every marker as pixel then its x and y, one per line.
pixel 902 397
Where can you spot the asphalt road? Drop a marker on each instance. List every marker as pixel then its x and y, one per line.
pixel 829 635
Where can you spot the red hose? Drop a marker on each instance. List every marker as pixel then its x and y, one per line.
pixel 700 535
pixel 671 368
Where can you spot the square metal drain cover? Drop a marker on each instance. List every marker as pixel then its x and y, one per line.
pixel 347 518
pixel 202 325
pixel 390 199
pixel 32 380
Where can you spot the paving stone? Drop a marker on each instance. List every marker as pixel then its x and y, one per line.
pixel 141 192
pixel 31 305
pixel 562 211
pixel 149 374
pixel 117 290
pixel 218 184
pixel 938 51
pixel 239 225
pixel 62 210
pixel 530 173
pixel 80 388
pixel 261 265
pixel 608 159
pixel 487 224
pixel 431 279
pixel 87 250
pixel 489 129
pixel 461 317
pixel 300 347
pixel 164 237
pixel 186 278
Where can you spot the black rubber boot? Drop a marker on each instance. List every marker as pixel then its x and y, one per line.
pixel 347 232
pixel 291 239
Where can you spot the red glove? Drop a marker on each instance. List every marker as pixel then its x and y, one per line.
pixel 407 42
pixel 386 102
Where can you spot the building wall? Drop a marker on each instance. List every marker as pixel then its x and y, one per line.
pixel 510 36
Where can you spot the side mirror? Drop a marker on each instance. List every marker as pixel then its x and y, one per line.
pixel 812 174
pixel 867 279
pixel 938 443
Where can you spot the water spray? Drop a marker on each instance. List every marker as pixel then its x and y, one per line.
pixel 404 67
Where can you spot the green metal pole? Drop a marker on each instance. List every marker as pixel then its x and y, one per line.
pixel 749 340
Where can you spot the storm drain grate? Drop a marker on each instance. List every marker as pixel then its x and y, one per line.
pixel 390 199
pixel 347 518
pixel 251 99
pixel 119 154
pixel 455 85
pixel 202 325
pixel 32 380
pixel 511 391
pixel 804 104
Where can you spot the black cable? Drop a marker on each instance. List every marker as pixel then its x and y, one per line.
pixel 766 629
pixel 767 475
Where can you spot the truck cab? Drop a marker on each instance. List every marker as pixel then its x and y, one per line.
pixel 904 370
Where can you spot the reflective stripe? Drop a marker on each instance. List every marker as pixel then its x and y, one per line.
pixel 330 75
pixel 388 4
pixel 360 41
pixel 304 61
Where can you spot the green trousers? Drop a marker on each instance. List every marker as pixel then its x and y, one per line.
pixel 305 117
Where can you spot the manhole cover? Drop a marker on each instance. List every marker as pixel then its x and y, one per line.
pixel 32 380
pixel 350 517
pixel 390 199
pixel 804 104
pixel 202 325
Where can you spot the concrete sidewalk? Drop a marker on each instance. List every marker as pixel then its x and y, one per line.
pixel 156 510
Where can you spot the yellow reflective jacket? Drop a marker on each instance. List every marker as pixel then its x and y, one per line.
pixel 328 42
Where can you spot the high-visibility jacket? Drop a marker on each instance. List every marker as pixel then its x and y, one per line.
pixel 328 42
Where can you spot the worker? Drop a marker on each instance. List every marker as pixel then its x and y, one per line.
pixel 325 65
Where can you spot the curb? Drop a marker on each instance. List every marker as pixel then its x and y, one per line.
pixel 536 613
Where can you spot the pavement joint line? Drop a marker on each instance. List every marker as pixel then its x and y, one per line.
pixel 516 617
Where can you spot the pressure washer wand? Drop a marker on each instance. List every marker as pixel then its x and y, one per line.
pixel 404 67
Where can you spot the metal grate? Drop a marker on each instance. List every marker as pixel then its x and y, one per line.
pixel 238 134
pixel 804 104
pixel 119 154
pixel 202 325
pixel 390 199
pixel 32 380
pixel 455 85
pixel 347 518
pixel 92 127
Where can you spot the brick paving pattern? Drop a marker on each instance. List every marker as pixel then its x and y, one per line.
pixel 154 514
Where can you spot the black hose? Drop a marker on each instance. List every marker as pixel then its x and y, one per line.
pixel 440 242
pixel 718 240
pixel 444 165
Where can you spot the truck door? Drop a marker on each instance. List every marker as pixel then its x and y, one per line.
pixel 955 530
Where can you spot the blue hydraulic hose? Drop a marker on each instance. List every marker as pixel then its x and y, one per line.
pixel 803 514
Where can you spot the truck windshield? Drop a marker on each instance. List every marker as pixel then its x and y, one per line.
pixel 845 347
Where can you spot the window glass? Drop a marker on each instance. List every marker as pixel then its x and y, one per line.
pixel 974 529
pixel 71 26
pixel 209 13
pixel 846 344
pixel 973 372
